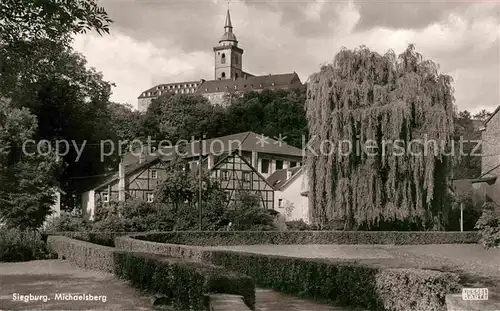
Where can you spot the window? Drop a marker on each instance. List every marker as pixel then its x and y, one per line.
pixel 223 58
pixel 193 165
pixel 280 203
pixel 105 197
pixel 223 75
pixel 272 84
pixel 264 166
pixel 154 174
pixel 246 176
pixel 293 164
pixel 236 76
pixel 150 197
pixel 224 175
pixel 279 164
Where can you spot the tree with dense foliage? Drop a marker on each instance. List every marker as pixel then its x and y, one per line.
pixel 370 99
pixel 466 160
pixel 126 122
pixel 40 71
pixel 27 181
pixel 482 115
pixel 271 113
pixel 182 116
pixel 31 20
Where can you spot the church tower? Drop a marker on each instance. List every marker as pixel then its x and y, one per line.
pixel 228 56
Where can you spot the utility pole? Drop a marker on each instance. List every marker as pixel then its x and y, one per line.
pixel 200 183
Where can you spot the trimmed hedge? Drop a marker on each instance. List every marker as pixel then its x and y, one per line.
pixel 83 254
pixel 194 253
pixel 101 238
pixel 345 282
pixel 22 245
pixel 183 283
pixel 218 238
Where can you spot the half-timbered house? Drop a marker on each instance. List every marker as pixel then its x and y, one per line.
pixel 236 176
pixel 240 161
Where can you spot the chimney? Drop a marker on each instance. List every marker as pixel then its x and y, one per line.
pixel 255 161
pixel 121 181
pixel 142 158
pixel 210 161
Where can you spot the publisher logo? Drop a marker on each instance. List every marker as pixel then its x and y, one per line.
pixel 475 294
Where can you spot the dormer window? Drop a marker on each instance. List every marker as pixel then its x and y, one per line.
pixel 260 85
pixel 272 84
pixel 235 87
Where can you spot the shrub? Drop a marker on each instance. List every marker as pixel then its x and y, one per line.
pixel 183 283
pixel 66 222
pixel 133 216
pixel 21 245
pixel 344 282
pixel 297 225
pixel 489 228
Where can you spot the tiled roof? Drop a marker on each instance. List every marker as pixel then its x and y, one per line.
pixel 246 141
pixel 249 83
pixel 280 177
pixel 162 88
pixel 492 115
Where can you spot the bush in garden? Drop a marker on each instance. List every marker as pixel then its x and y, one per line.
pixel 66 222
pixel 247 214
pixel 297 225
pixel 21 245
pixel 489 226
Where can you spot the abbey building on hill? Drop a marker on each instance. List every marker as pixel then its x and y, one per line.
pixel 229 77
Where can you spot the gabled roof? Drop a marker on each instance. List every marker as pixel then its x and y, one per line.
pixel 491 116
pixel 234 154
pixel 246 141
pixel 250 83
pixel 279 179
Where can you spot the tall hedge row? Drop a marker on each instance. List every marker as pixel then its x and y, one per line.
pixel 183 283
pixel 345 282
pixel 217 238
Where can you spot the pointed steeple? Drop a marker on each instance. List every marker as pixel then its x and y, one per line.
pixel 228 37
pixel 228 27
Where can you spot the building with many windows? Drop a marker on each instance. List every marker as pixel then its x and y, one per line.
pixel 230 80
pixel 240 161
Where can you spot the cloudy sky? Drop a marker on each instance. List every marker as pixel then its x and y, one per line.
pixel 161 41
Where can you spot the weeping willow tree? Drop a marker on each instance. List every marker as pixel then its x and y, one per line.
pixel 366 99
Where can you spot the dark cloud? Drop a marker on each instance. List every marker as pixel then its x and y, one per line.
pixel 180 23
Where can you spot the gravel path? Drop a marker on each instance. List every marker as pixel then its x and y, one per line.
pixel 50 277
